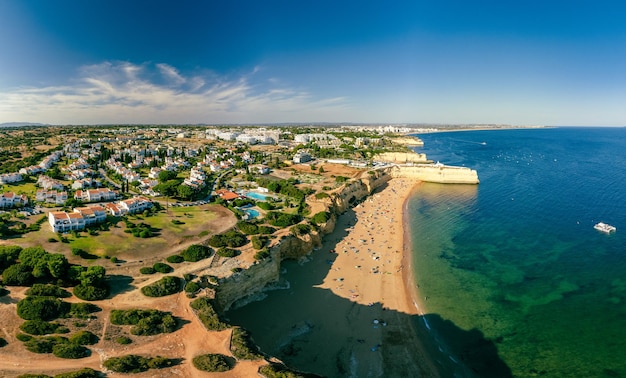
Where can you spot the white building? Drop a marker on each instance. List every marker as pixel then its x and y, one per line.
pixel 51 196
pixel 301 157
pixel 9 178
pixel 10 199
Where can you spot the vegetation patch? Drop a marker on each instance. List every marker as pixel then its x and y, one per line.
pixel 175 259
pixel 163 268
pixel 196 253
pixel 145 322
pixel 213 362
pixel 40 327
pixel 73 351
pixel 147 270
pixel 230 238
pixel 207 314
pixel 165 286
pixel 282 220
pixel 42 308
pixel 278 371
pixel 82 373
pixel 84 338
pixel 47 290
pixel 136 364
pixel 242 347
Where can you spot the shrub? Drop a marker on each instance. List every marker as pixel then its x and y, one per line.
pixel 266 230
pixel 127 364
pixel 265 206
pixel 44 344
pixel 248 228
pixel 259 242
pixel 82 373
pixel 242 346
pixel 262 254
pixel 40 327
pixel 83 338
pixel 41 308
pixel 17 275
pixel 83 310
pixel 23 337
pixel 207 315
pixel 196 252
pixel 34 376
pixel 3 342
pixel 162 268
pixel 159 362
pixel 175 259
pixel 230 238
pixel 70 351
pixel 147 270
pixel 321 195
pixel 213 362
pixel 282 220
pixel 90 293
pixel 192 287
pixel 300 229
pixel 227 252
pixel 48 290
pixel 145 322
pixel 123 340
pixel 165 286
pixel 321 217
pixel 278 371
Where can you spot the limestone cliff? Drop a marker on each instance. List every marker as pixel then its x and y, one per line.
pixel 438 173
pixel 401 157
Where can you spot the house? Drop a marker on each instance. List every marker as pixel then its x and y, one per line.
pixel 96 195
pixel 49 183
pixel 227 195
pixel 9 178
pixel 60 221
pixel 301 157
pixel 92 214
pixel 260 169
pixel 10 199
pixel 51 196
pixel 114 209
pixel 135 205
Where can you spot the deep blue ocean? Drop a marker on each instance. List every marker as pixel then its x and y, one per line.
pixel 516 260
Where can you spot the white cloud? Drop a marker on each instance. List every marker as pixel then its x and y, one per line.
pixel 123 92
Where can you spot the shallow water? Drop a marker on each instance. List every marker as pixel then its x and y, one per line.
pixel 517 257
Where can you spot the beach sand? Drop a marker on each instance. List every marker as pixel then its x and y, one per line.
pixel 372 267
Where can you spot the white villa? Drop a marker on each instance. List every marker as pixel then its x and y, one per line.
pixel 10 199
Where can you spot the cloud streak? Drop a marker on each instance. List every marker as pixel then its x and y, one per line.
pixel 123 92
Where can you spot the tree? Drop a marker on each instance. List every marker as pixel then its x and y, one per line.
pixel 17 275
pixel 165 176
pixel 186 192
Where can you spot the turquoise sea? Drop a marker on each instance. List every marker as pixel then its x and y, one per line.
pixel 516 260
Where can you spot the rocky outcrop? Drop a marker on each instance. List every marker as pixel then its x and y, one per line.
pixel 401 157
pixel 438 173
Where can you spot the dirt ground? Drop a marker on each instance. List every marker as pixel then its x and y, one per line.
pixel 191 338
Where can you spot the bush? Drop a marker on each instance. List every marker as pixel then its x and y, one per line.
pixel 196 252
pixel 230 238
pixel 262 254
pixel 259 242
pixel 242 346
pixel 82 373
pixel 83 310
pixel 300 229
pixel 123 340
pixel 70 351
pixel 83 338
pixel 265 206
pixel 175 259
pixel 40 327
pixel 145 322
pixel 90 293
pixel 213 362
pixel 227 252
pixel 267 230
pixel 17 275
pixel 321 217
pixel 165 286
pixel 42 308
pixel 282 220
pixel 162 268
pixel 44 344
pixel 207 315
pixel 321 195
pixel 192 287
pixel 3 342
pixel 34 376
pixel 147 270
pixel 127 364
pixel 135 364
pixel 23 337
pixel 278 371
pixel 48 290
pixel 248 228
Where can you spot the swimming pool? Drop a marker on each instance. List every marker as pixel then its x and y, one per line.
pixel 251 213
pixel 256 196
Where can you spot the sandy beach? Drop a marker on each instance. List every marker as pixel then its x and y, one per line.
pixel 372 267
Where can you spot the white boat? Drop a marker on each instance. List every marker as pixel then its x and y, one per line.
pixel 604 227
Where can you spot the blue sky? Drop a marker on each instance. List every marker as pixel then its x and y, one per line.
pixel 512 62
